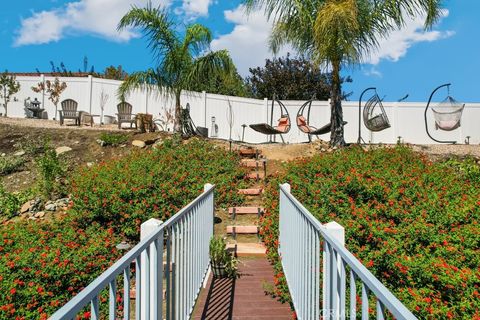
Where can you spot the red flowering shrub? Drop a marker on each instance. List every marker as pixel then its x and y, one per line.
pixel 43 265
pixel 414 223
pixel 156 184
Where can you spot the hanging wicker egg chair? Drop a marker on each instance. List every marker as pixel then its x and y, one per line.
pixel 374 115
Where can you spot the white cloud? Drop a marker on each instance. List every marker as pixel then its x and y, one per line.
pixel 248 41
pixel 196 8
pixel 97 17
pixel 398 42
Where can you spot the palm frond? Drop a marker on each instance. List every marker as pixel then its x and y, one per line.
pixel 213 64
pixel 150 80
pixel 155 25
pixel 197 38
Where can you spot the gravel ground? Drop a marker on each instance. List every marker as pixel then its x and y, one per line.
pixel 274 151
pixel 51 124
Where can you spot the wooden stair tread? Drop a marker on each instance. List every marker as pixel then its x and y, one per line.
pixel 247 249
pixel 245 210
pixel 242 229
pixel 251 163
pixel 249 152
pixel 251 192
pixel 255 175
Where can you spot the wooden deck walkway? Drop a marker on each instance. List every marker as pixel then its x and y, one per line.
pixel 243 298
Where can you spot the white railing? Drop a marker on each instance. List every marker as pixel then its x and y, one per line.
pixel 174 253
pixel 303 239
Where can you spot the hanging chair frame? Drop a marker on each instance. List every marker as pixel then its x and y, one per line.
pixel 189 128
pixel 315 131
pixel 426 110
pixel 384 118
pixel 268 128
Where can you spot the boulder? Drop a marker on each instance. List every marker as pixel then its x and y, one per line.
pixel 40 214
pixel 61 150
pixel 26 207
pixel 138 143
pixel 51 207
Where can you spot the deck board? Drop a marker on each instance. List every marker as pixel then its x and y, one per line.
pixel 243 298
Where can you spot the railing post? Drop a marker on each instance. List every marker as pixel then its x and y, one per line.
pixel 334 276
pixel 149 276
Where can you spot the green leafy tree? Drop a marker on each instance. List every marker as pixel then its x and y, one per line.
pixel 290 79
pixel 115 73
pixel 182 62
pixel 340 32
pixel 8 87
pixel 230 85
pixel 53 89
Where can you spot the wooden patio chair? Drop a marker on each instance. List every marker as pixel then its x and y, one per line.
pixel 125 115
pixel 69 111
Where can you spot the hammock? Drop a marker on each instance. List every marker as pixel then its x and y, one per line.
pixel 448 114
pixel 303 122
pixel 283 125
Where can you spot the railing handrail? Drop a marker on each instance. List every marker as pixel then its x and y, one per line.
pixel 382 293
pixel 72 307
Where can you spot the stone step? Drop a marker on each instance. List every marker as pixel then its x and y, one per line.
pixel 251 192
pixel 245 210
pixel 252 163
pixel 234 230
pixel 255 175
pixel 247 249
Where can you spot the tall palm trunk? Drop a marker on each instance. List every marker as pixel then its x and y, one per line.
pixel 177 126
pixel 336 135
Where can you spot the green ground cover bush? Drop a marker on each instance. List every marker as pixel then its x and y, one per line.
pixel 10 164
pixel 42 265
pixel 10 202
pixel 154 184
pixel 412 222
pixel 113 139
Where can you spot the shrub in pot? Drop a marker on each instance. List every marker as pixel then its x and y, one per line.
pixel 224 265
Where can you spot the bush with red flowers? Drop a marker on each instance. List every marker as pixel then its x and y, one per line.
pixel 125 192
pixel 42 265
pixel 411 221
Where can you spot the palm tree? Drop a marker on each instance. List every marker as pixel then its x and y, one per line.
pixel 337 33
pixel 181 63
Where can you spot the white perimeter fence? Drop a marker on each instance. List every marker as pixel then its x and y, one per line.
pixel 406 118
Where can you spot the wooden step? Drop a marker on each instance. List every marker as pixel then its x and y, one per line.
pixel 255 175
pixel 251 192
pixel 247 249
pixel 245 210
pixel 242 230
pixel 249 152
pixel 251 163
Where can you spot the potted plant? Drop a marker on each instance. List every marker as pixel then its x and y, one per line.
pixel 223 264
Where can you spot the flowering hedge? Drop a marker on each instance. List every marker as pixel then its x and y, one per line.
pixel 42 265
pixel 128 191
pixel 412 222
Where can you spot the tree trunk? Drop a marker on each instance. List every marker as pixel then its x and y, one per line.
pixel 336 120
pixel 177 126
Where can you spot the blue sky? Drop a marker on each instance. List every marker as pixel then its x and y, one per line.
pixel 411 61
